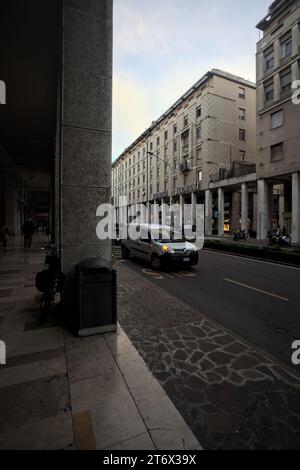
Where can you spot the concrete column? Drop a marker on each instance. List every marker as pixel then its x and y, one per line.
pixel 181 203
pixel 261 96
pixel 254 215
pixel 245 208
pixel 276 87
pixel 296 207
pixel 281 207
pixel 235 211
pixel 221 212
pixel 208 212
pixel 262 209
pixel 83 162
pixel 194 203
pixel 296 40
pixel 277 53
pixel 155 212
pixel 260 66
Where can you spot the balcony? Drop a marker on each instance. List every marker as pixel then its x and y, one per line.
pixel 184 167
pixel 238 169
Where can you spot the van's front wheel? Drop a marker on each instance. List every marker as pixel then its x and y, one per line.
pixel 125 252
pixel 156 263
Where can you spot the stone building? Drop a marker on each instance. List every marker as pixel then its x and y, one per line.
pixel 207 135
pixel 278 117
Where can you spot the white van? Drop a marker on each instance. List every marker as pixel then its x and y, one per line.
pixel 161 246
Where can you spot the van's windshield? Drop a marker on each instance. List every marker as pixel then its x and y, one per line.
pixel 166 236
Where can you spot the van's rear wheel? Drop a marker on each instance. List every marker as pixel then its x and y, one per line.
pixel 125 252
pixel 156 263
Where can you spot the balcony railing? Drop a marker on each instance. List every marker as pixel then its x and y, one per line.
pixel 238 169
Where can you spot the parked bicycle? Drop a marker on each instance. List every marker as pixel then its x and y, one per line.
pixel 50 282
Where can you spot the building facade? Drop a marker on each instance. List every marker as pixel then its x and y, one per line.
pixel 208 133
pixel 278 117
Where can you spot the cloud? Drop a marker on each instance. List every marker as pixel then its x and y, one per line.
pixel 162 47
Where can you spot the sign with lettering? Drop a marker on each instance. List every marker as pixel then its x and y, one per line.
pixel 190 188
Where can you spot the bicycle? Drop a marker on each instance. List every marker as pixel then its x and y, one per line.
pixel 50 282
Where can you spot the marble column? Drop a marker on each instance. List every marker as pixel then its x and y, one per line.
pixel 262 209
pixel 296 207
pixel 245 208
pixel 221 212
pixel 208 212
pixel 194 204
pixel 83 157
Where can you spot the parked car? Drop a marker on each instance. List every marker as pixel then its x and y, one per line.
pixel 161 246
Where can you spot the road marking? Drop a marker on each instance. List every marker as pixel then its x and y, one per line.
pixel 246 258
pixel 257 290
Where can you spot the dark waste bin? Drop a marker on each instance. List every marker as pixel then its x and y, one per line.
pixel 97 297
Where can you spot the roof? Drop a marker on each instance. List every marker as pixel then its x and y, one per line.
pixel 187 94
pixel 275 9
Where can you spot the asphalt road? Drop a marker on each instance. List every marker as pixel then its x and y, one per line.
pixel 257 300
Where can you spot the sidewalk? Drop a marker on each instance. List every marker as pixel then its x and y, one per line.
pixel 232 395
pixel 62 392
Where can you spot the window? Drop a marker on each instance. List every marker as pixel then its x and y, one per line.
pixel 242 93
pixel 277 119
pixel 269 59
pixel 157 141
pixel 198 153
pixel 175 164
pixel 175 129
pixel 185 121
pixel 151 145
pixel 286 47
pixel 269 91
pixel 175 146
pixel 286 81
pixel 276 152
pixel 157 187
pixel 242 155
pixel 199 175
pixel 242 134
pixel 198 132
pixel 198 112
pixel 242 113
pixel 166 136
pixel 165 186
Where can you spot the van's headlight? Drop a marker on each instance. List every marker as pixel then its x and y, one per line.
pixel 167 249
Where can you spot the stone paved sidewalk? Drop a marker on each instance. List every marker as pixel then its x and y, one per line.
pixel 62 392
pixel 231 395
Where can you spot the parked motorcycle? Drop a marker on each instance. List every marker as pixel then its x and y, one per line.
pixel 280 240
pixel 240 235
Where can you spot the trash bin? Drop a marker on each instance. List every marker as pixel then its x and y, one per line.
pixel 97 297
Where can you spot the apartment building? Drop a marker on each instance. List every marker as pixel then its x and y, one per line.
pixel 278 117
pixel 209 132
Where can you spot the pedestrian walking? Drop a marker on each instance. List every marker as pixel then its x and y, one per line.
pixel 4 234
pixel 28 231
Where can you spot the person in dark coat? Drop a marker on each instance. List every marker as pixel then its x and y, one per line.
pixel 28 231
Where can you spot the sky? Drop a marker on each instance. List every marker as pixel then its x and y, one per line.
pixel 162 47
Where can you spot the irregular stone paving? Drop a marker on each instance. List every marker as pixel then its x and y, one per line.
pixel 231 395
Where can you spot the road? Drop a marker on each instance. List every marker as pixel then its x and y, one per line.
pixel 257 300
